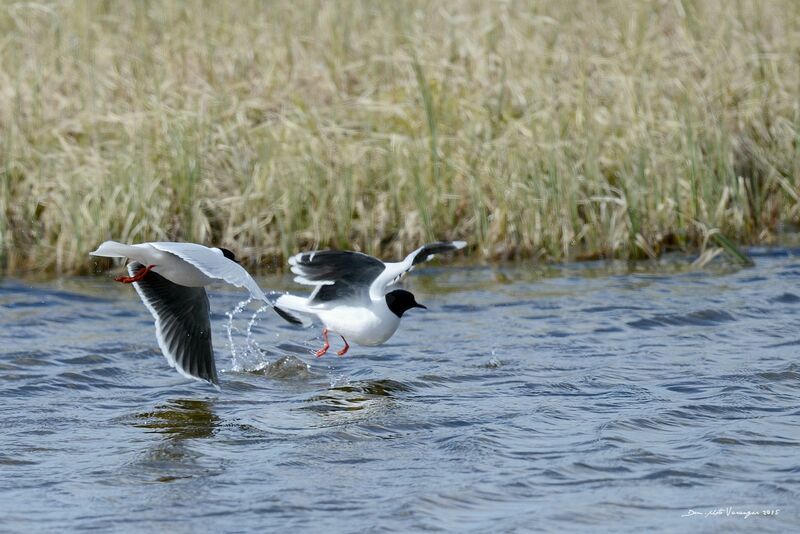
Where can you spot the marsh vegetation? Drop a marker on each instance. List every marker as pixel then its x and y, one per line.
pixel 554 130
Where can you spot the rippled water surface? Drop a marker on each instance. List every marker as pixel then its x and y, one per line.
pixel 527 398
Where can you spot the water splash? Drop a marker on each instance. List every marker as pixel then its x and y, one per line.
pixel 230 328
pixel 251 356
pixel 285 367
pixel 252 344
pixel 340 380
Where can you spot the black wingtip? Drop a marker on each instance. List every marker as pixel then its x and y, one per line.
pixel 431 249
pixel 288 317
pixel 209 376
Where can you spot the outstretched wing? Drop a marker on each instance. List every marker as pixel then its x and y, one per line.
pixel 338 275
pixel 395 271
pixel 214 265
pixel 183 325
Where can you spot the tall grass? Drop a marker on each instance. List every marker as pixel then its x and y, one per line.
pixel 550 130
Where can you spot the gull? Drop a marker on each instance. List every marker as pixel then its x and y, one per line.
pixel 352 296
pixel 170 278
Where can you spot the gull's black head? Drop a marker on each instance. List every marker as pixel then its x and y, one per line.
pixel 400 300
pixel 228 254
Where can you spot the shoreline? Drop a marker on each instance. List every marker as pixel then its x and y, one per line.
pixel 686 260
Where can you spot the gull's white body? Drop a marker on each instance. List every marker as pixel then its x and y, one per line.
pixel 365 326
pixel 368 325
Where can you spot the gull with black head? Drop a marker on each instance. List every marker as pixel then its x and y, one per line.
pixel 170 278
pixel 352 296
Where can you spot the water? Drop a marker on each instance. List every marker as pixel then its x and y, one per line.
pixel 526 398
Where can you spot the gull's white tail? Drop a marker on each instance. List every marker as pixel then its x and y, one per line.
pixel 287 304
pixel 294 303
pixel 112 249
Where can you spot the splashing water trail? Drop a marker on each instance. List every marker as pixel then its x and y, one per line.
pixel 252 344
pixel 230 328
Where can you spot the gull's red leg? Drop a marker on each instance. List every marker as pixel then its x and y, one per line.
pixel 344 350
pixel 140 274
pixel 327 345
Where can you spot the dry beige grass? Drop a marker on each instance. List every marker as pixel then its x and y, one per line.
pixel 555 130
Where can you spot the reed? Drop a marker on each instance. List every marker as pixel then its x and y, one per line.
pixel 547 130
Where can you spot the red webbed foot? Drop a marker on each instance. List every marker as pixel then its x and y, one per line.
pixel 135 278
pixel 326 346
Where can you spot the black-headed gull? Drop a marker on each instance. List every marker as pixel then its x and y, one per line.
pixel 351 297
pixel 170 278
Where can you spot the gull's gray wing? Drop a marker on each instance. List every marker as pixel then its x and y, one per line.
pixel 183 324
pixel 395 271
pixel 338 274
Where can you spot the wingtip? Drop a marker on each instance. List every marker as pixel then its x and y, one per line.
pixel 110 249
pixel 210 380
pixel 292 318
pixel 98 253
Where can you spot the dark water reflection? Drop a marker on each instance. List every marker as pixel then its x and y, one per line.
pixel 181 419
pixel 590 396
